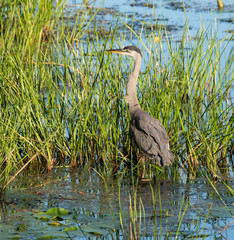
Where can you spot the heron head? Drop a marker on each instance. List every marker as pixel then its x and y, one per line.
pixel 131 51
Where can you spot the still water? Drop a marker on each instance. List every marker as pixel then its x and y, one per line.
pixel 174 15
pixel 112 209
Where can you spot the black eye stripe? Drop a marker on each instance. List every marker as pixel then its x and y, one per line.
pixel 132 48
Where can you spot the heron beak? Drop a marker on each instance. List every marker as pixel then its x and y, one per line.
pixel 121 51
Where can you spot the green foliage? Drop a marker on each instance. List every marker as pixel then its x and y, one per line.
pixel 195 87
pixel 62 97
pixel 57 211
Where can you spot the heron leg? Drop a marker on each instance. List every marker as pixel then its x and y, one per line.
pixel 141 162
pixel 143 167
pixel 150 176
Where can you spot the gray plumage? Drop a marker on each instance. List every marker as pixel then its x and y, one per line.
pixel 147 132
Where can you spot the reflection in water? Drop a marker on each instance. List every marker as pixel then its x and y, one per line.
pixel 119 208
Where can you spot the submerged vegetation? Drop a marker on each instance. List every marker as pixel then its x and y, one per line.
pixel 62 98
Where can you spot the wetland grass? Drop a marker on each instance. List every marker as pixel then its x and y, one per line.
pixel 62 99
pixel 160 218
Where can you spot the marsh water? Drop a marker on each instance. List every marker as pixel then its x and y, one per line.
pixel 172 15
pixel 80 204
pixel 97 208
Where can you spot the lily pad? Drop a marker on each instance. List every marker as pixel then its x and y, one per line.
pixel 43 218
pixel 57 218
pixel 46 237
pixel 222 212
pixel 57 211
pixel 73 228
pixel 54 224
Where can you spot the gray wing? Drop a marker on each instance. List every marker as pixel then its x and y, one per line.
pixel 150 136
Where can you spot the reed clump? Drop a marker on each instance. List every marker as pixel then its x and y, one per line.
pixel 62 98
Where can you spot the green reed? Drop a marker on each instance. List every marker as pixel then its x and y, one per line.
pixel 140 220
pixel 195 92
pixel 62 97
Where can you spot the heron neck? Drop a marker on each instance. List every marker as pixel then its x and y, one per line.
pixel 132 84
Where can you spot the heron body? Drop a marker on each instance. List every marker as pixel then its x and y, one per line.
pixel 147 132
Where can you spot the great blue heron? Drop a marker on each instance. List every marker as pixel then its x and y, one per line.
pixel 146 131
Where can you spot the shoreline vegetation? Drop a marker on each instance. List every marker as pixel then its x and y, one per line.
pixel 62 98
